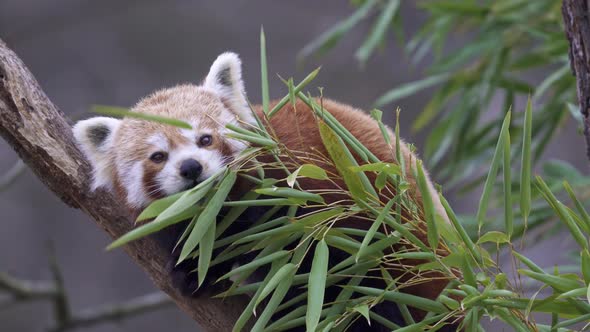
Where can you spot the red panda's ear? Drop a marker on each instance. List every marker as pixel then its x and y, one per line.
pixel 225 79
pixel 95 138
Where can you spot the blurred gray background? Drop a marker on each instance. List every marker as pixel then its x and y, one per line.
pixel 114 52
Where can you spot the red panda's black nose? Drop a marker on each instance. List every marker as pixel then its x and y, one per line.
pixel 190 169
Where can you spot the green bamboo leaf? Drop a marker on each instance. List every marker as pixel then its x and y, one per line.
pixel 329 38
pixel 388 168
pixel 205 252
pixel 373 229
pixel 264 72
pixel 459 228
pixel 525 173
pixel 550 80
pixel 578 292
pixel 378 32
pixel 343 161
pixel 468 274
pixel 123 112
pixel 317 285
pixel 265 142
pixel 585 224
pixel 152 227
pixel 495 237
pixel 457 7
pixel 562 212
pixel 158 206
pixel 506 168
pixel 409 89
pixel 560 283
pixel 208 216
pixel 291 193
pixel 583 318
pixel 509 318
pixel 531 265
pixel 296 91
pixel 429 213
pixel 273 303
pixel 378 116
pixel 181 209
pixel 381 181
pixel 585 259
pixel 491 178
pixel 190 197
pixel 291 87
pixel 562 170
pixel 363 309
pixel 256 263
pixel 265 202
pixel 403 298
pixel 308 171
pixel 544 306
pixel 286 270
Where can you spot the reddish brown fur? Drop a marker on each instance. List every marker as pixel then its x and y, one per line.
pixel 296 127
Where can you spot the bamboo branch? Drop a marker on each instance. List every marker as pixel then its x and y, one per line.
pixel 42 137
pixel 577 28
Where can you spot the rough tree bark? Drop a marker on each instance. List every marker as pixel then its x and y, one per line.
pixel 42 137
pixel 577 28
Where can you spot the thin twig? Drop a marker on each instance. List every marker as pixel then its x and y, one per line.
pixel 12 174
pixel 116 311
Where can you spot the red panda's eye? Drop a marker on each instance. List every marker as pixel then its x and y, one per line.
pixel 158 157
pixel 205 140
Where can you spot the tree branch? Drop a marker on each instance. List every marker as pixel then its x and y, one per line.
pixel 577 28
pixel 42 137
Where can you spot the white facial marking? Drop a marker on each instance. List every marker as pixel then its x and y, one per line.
pixel 169 177
pixel 131 175
pixel 159 141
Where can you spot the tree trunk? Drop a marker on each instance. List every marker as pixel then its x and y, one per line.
pixel 42 137
pixel 577 29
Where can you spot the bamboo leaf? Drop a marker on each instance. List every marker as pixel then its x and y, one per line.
pixel 525 175
pixel 205 252
pixel 208 216
pixel 429 213
pixel 317 285
pixel 373 229
pixel 495 237
pixel 123 112
pixel 491 178
pixel 290 193
pixel 343 161
pixel 363 309
pixel 264 72
pixel 409 89
pixel 328 39
pixel 285 271
pixel 560 283
pixel 308 171
pixel 273 303
pixel 378 32
pixel 158 206
pixel 403 298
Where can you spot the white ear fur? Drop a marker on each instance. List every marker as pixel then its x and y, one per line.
pixel 225 79
pixel 95 139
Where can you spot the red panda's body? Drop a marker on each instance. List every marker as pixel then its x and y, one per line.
pixel 142 161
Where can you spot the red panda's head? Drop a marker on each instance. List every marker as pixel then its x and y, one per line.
pixel 143 160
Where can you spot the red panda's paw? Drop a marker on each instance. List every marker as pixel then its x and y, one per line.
pixel 182 278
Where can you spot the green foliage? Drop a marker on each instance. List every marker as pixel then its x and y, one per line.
pixel 504 33
pixel 476 292
pixel 507 40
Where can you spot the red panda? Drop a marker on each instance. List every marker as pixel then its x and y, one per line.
pixel 141 161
